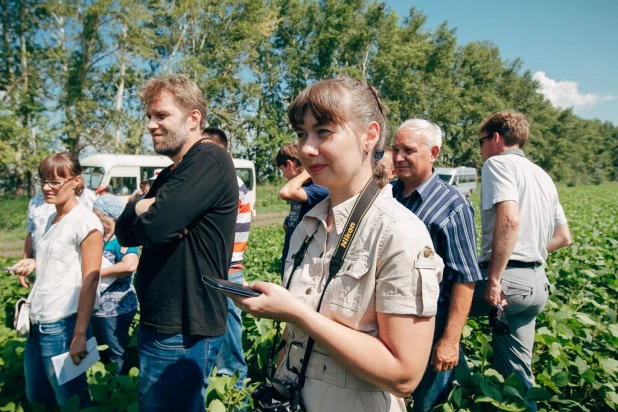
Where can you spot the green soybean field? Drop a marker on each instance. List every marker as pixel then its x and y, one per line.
pixel 576 345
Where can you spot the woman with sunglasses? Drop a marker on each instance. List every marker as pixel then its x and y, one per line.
pixel 374 329
pixel 67 263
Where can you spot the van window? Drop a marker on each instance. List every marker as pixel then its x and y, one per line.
pixel 93 176
pixel 146 173
pixel 123 186
pixel 446 178
pixel 246 175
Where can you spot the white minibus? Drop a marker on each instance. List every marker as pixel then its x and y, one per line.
pixel 124 172
pixel 462 178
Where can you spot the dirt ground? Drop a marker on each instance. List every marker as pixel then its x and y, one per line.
pixel 270 218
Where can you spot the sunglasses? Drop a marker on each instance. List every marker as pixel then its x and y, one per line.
pixel 482 139
pixel 54 184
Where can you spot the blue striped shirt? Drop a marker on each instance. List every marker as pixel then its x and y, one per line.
pixel 449 217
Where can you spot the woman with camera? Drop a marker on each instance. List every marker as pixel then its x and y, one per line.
pixel 369 324
pixel 68 261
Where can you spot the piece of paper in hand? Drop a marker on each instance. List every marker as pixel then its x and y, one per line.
pixel 66 370
pixel 104 283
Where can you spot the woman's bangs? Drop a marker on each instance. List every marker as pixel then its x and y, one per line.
pixel 55 166
pixel 325 101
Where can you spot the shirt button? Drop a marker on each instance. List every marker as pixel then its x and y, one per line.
pixel 308 291
pixel 427 252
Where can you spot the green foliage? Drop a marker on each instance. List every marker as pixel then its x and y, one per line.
pixel 268 199
pixel 576 342
pixel 72 69
pixel 222 395
pixel 576 335
pixel 263 253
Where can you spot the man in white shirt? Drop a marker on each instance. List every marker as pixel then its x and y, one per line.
pixel 522 221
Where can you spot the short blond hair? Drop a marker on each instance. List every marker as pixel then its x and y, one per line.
pixel 186 93
pixel 511 125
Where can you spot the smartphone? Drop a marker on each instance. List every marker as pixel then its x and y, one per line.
pixel 230 287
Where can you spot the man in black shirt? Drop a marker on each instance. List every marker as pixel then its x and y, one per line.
pixel 186 225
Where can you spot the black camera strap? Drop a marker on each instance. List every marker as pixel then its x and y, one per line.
pixel 362 204
pixel 298 259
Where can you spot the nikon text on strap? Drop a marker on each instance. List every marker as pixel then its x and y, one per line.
pixel 362 204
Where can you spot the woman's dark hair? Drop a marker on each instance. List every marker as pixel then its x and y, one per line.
pixel 341 100
pixel 63 165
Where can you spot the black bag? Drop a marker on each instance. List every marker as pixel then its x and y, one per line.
pixel 276 397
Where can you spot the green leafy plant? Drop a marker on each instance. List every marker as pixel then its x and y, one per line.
pixel 576 343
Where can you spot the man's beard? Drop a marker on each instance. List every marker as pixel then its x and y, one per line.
pixel 172 142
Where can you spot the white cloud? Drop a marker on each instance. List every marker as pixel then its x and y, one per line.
pixel 565 93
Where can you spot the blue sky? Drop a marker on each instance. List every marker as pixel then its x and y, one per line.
pixel 571 45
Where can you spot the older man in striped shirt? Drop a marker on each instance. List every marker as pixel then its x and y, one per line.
pixel 449 217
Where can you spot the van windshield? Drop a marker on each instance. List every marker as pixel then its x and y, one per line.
pixel 93 176
pixel 246 175
pixel 446 178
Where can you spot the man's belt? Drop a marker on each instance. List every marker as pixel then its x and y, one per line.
pixel 514 264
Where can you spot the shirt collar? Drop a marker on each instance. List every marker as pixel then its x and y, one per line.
pixel 423 189
pixel 341 212
pixel 518 152
pixel 428 185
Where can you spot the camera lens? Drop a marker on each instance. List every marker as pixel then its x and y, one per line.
pixel 498 321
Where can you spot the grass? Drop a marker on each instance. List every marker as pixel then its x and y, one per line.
pixel 15 211
pixel 575 342
pixel 268 199
pixel 13 225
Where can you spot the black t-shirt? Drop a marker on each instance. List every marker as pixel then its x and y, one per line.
pixel 201 195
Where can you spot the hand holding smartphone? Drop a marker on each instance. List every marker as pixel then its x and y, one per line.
pixel 230 287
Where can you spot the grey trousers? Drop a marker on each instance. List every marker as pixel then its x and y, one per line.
pixel 526 292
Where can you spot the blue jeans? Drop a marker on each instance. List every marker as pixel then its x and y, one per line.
pixel 174 369
pixel 114 332
pixel 230 358
pixel 45 341
pixel 435 387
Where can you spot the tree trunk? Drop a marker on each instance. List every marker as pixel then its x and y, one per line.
pixel 119 96
pixel 20 173
pixel 24 52
pixel 10 72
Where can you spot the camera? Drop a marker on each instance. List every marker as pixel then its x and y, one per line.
pixel 276 397
pixel 498 321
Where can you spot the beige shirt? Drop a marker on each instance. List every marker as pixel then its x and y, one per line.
pixel 390 268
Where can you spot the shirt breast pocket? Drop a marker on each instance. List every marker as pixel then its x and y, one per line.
pixel 346 288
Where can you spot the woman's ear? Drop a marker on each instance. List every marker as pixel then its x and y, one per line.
pixel 78 182
pixel 372 136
